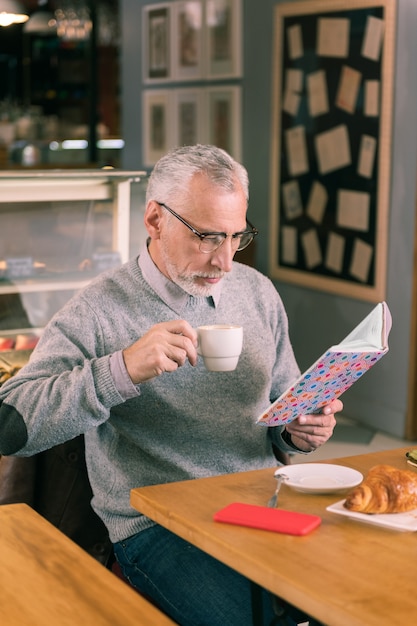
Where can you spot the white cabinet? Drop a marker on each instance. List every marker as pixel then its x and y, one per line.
pixel 59 229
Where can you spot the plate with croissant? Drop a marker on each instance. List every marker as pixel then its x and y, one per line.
pixel 386 497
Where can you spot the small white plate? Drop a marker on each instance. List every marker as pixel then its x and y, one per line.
pixel 320 477
pixel 395 521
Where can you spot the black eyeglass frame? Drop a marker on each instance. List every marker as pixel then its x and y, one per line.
pixel 253 232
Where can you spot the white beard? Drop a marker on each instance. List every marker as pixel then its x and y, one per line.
pixel 188 283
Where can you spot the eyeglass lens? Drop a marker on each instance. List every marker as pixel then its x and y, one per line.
pixel 239 242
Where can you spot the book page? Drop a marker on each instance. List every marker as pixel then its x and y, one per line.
pixel 370 332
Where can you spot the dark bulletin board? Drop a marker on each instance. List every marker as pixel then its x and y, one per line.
pixel 332 110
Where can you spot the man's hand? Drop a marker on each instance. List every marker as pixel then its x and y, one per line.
pixel 309 432
pixel 164 348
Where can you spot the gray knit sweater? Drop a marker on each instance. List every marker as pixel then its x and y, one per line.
pixel 186 424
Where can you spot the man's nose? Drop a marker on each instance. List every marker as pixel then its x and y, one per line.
pixel 223 256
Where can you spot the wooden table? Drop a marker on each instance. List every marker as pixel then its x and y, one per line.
pixel 45 578
pixel 345 573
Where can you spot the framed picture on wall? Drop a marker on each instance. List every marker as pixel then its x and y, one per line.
pixel 158 135
pixel 188 22
pixel 188 108
pixel 223 116
pixel 223 38
pixel 330 167
pixel 157 42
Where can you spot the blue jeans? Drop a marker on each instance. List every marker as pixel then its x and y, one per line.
pixel 187 584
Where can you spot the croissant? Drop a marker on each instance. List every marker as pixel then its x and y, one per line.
pixel 385 489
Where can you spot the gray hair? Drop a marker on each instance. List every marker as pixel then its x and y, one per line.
pixel 173 172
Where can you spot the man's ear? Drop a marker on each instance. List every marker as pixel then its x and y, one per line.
pixel 152 219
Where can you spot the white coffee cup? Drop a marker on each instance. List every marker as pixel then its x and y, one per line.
pixel 220 346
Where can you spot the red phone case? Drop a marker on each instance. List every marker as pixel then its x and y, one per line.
pixel 262 517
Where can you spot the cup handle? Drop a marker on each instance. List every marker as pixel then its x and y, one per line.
pixel 198 345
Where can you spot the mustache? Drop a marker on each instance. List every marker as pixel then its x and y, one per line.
pixel 211 275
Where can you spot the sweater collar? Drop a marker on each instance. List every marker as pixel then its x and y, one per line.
pixel 171 293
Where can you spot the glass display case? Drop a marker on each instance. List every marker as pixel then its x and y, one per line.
pixel 58 230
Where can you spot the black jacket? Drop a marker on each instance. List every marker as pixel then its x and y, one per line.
pixel 55 483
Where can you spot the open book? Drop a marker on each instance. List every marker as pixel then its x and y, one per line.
pixel 335 371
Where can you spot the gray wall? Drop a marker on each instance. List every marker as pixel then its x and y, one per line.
pixel 317 319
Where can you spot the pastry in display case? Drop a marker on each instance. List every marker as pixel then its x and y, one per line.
pixel 58 230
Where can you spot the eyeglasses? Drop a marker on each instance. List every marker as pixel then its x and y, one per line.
pixel 209 242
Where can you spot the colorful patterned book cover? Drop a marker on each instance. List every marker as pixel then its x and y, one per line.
pixel 334 372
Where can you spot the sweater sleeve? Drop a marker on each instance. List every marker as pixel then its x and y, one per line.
pixel 66 388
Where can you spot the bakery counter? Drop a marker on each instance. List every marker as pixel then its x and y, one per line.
pixel 11 361
pixel 58 230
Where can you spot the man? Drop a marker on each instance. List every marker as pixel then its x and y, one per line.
pixel 119 363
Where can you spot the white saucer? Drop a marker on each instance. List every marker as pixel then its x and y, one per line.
pixel 320 477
